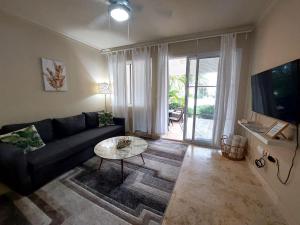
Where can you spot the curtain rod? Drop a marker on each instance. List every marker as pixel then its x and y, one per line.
pixel 108 51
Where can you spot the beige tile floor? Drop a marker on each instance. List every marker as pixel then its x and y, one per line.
pixel 212 190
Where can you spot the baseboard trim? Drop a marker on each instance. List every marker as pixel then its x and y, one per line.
pixel 274 197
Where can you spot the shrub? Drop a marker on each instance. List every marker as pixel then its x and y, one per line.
pixel 203 111
pixel 174 105
pixel 206 111
pixel 176 91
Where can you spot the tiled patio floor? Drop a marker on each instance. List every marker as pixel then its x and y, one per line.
pixel 175 132
pixel 203 130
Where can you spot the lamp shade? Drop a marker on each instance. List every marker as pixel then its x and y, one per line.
pixel 103 88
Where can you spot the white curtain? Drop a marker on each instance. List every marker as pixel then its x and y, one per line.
pixel 141 90
pixel 227 89
pixel 117 73
pixel 161 118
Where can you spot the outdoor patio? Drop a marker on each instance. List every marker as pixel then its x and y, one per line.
pixel 203 130
pixel 175 132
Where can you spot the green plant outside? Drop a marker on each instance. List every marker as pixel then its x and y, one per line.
pixel 177 91
pixel 177 98
pixel 203 111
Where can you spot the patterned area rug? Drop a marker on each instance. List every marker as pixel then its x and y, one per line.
pixel 87 196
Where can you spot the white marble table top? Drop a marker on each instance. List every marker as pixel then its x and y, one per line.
pixel 107 149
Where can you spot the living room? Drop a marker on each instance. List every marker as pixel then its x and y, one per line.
pixel 114 112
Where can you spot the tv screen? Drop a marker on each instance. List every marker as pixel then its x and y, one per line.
pixel 275 92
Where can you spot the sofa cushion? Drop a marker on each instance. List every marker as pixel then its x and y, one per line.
pixel 44 128
pixel 91 119
pixel 64 127
pixel 66 147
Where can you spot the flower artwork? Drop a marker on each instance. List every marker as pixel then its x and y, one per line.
pixel 54 75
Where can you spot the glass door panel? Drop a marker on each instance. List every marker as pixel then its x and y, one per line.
pixel 190 113
pixel 205 113
pixel 190 98
pixel 201 97
pixel 192 72
pixel 208 71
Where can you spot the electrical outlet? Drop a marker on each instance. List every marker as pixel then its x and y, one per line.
pixel 266 152
pixel 260 150
pixel 263 151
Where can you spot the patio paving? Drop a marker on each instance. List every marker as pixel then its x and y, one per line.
pixel 203 130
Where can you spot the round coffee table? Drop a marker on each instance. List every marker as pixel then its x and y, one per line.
pixel 107 150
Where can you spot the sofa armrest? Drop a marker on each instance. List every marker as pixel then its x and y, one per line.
pixel 13 168
pixel 119 121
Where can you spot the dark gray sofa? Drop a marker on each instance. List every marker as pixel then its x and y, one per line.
pixel 69 142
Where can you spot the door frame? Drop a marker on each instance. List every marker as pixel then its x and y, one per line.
pixel 197 57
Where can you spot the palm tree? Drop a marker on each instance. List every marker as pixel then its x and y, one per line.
pixel 177 91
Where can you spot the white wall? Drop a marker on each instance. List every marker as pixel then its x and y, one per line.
pixel 22 98
pixel 277 41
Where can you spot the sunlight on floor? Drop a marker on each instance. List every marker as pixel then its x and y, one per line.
pixel 175 131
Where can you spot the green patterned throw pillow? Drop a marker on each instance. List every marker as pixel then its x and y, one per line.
pixel 105 119
pixel 27 139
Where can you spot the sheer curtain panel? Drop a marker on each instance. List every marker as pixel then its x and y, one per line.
pixel 117 73
pixel 227 88
pixel 141 90
pixel 161 118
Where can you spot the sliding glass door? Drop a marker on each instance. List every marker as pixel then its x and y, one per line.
pixel 201 85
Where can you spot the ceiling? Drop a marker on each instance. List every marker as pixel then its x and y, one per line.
pixel 87 20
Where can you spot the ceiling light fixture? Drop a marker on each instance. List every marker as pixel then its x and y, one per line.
pixel 119 10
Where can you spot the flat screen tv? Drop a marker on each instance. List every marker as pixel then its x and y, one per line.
pixel 276 92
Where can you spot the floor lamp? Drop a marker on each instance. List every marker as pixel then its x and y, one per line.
pixel 105 90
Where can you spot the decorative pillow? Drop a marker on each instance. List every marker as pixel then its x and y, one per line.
pixel 27 139
pixel 44 128
pixel 105 119
pixel 91 119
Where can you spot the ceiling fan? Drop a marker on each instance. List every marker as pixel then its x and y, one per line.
pixel 122 10
pixel 119 10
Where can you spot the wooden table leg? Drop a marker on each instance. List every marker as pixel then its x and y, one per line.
pixel 143 158
pixel 99 167
pixel 122 172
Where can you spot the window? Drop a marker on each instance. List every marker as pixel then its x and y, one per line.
pixel 129 82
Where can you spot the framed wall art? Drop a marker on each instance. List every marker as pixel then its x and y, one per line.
pixel 54 75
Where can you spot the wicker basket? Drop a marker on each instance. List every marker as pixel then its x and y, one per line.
pixel 232 152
